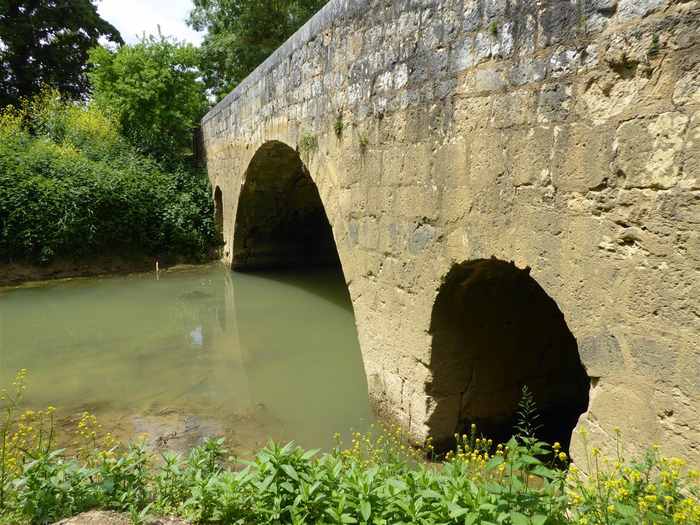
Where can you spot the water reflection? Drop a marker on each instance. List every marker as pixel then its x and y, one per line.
pixel 271 355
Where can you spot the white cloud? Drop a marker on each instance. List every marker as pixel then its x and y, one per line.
pixel 134 17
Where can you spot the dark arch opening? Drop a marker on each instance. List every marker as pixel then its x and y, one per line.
pixel 281 222
pixel 494 330
pixel 218 211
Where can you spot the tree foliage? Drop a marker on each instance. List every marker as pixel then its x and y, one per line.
pixel 46 42
pixel 154 91
pixel 241 34
pixel 71 186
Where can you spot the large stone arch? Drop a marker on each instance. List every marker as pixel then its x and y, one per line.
pixel 494 330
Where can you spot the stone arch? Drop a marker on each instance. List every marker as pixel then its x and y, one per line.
pixel 218 210
pixel 280 220
pixel 494 329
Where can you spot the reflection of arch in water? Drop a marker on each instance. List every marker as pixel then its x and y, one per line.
pixel 233 362
pixel 296 324
pixel 494 329
pixel 301 353
pixel 281 221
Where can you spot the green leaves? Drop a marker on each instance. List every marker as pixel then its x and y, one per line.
pixel 287 485
pixel 155 92
pixel 73 187
pixel 289 470
pixel 240 35
pixel 46 43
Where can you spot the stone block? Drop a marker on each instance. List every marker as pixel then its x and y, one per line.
pixel 581 157
pixel 648 151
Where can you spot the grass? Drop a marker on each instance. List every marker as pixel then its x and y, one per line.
pixel 376 479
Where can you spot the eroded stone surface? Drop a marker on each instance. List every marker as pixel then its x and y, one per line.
pixel 562 136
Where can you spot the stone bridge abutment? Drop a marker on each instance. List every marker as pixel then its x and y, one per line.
pixel 512 189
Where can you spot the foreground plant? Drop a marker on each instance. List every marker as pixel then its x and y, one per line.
pixel 72 187
pixel 378 479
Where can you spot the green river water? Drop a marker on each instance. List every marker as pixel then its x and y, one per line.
pixel 198 352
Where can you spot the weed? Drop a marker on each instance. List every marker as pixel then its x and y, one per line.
pixel 308 144
pixel 527 424
pixel 363 142
pixel 338 126
pixel 655 46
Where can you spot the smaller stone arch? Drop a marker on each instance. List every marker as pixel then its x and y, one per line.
pixel 218 210
pixel 494 329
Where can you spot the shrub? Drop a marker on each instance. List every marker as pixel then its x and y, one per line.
pixel 71 186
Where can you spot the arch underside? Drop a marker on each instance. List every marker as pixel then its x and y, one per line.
pixel 281 221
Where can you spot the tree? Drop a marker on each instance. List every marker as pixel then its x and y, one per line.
pixel 46 42
pixel 241 34
pixel 155 91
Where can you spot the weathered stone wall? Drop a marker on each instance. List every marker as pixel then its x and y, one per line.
pixel 563 135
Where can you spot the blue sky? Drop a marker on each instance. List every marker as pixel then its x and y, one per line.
pixel 133 17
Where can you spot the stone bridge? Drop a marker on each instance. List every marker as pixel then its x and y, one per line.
pixel 512 190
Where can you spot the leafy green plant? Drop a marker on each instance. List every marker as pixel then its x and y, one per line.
pixel 154 92
pixel 308 144
pixel 9 402
pixel 377 479
pixel 493 28
pixel 338 126
pixel 52 488
pixel 238 36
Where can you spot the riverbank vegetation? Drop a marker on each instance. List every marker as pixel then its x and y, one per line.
pixel 378 479
pixel 154 91
pixel 72 186
pixel 97 137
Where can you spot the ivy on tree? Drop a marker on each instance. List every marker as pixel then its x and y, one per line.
pixel 46 43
